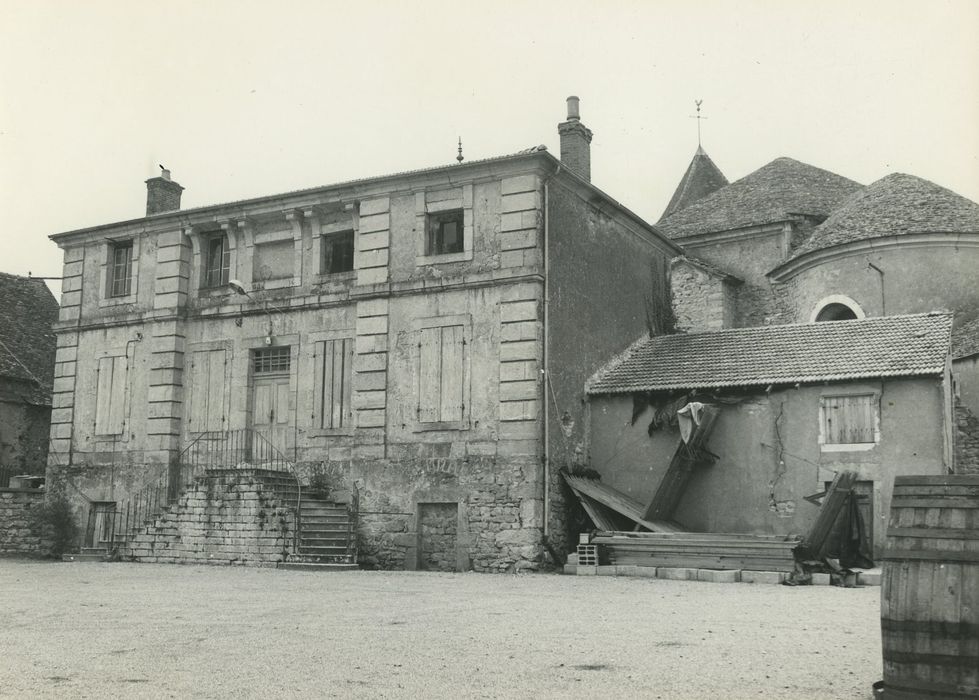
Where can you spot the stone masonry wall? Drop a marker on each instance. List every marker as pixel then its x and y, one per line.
pixel 18 531
pixel 700 302
pixel 231 518
pixel 966 440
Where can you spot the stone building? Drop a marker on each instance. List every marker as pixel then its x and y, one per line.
pixel 419 340
pixel 791 243
pixel 27 312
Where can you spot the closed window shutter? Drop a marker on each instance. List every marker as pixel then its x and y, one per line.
pixel 197 413
pixel 216 390
pixel 208 408
pixel 104 423
pixel 117 412
pixel 849 420
pixel 429 374
pixel 451 399
pixel 333 374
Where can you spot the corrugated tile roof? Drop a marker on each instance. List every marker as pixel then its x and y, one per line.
pixel 895 205
pixel 701 179
pixel 775 192
pixel 27 344
pixel 888 346
pixel 965 339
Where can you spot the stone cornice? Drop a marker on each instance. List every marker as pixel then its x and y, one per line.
pixel 769 229
pixel 793 267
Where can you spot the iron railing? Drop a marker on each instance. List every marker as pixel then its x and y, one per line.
pixel 231 450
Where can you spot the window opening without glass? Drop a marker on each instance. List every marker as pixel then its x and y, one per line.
pixel 338 252
pixel 445 233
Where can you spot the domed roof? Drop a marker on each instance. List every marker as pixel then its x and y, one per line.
pixel 895 205
pixel 775 192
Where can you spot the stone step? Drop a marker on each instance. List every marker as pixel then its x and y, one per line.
pixel 323 548
pixel 85 557
pixel 315 566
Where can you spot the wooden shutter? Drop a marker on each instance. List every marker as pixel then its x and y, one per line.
pixel 333 375
pixel 215 390
pixel 451 399
pixel 849 420
pixel 208 408
pixel 429 374
pixel 110 396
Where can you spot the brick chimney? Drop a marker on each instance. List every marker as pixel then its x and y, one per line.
pixel 575 142
pixel 162 194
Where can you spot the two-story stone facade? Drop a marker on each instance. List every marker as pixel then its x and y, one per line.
pixel 422 338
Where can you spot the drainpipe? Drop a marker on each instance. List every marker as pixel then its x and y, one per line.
pixel 545 370
pixel 883 307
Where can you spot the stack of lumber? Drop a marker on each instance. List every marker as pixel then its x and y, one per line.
pixel 698 550
pixel 603 503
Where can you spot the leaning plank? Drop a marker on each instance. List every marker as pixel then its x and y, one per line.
pixel 616 501
pixel 597 512
pixel 833 502
pixel 687 456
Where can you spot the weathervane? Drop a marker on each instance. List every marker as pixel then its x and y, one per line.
pixel 698 118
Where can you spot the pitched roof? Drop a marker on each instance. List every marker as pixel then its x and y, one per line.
pixel 775 192
pixel 27 343
pixel 897 204
pixel 708 267
pixel 701 179
pixel 888 346
pixel 965 339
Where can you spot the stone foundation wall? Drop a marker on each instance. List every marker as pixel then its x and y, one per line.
pixel 231 518
pixel 19 531
pixel 966 440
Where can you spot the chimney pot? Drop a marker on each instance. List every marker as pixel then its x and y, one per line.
pixel 162 194
pixel 575 142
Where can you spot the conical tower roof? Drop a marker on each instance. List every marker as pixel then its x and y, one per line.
pixel 701 179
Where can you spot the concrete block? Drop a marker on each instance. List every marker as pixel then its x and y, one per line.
pixel 820 579
pixel 607 570
pixel 573 558
pixel 587 570
pixel 676 573
pixel 869 578
pixel 718 575
pixel 571 569
pixel 646 572
pixel 762 577
pixel 626 570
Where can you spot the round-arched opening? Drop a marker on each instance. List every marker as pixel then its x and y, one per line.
pixel 835 312
pixel 836 307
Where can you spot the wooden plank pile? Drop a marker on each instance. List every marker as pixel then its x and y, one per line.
pixel 835 498
pixel 697 550
pixel 602 503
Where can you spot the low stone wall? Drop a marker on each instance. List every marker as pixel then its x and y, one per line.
pixel 230 518
pixel 19 529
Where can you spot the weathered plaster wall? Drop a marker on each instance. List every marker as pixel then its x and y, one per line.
pixel 965 375
pixel 19 528
pixel 24 430
pixel 916 279
pixel 603 274
pixel 749 489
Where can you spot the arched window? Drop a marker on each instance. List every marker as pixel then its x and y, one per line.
pixel 836 308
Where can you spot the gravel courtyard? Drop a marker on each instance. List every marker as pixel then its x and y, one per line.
pixel 151 631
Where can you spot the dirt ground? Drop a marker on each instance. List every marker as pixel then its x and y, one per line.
pixel 151 631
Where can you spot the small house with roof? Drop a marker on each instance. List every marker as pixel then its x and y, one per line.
pixel 795 404
pixel 27 313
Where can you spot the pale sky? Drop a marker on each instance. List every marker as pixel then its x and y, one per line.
pixel 243 99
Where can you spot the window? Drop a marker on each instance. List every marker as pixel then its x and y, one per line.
pixel 849 420
pixel 441 375
pixel 338 252
pixel 208 379
pixel 444 233
pixel 333 370
pixel 110 396
pixel 217 267
pixel 121 269
pixel 272 361
pixel 835 312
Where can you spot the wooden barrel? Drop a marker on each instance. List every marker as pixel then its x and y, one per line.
pixel 930 596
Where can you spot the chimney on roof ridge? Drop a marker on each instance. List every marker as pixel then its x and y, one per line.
pixel 575 142
pixel 162 194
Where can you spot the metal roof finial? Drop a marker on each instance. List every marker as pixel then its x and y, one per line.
pixel 698 118
pixel 459 157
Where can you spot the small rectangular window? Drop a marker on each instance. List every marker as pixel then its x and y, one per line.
pixel 121 269
pixel 445 233
pixel 849 420
pixel 338 252
pixel 218 264
pixel 273 360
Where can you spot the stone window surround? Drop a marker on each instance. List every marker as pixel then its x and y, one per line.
pixel 105 275
pixel 849 447
pixel 464 201
pixel 307 357
pixel 464 320
pixel 320 229
pixel 841 299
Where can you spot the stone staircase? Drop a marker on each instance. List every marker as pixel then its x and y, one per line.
pixel 327 539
